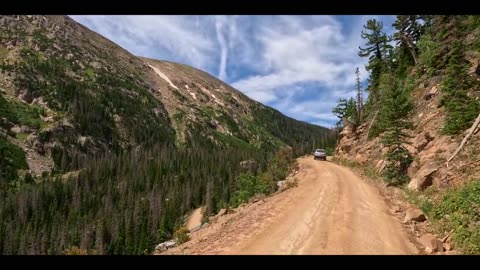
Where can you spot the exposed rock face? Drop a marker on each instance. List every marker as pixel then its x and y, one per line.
pixel 249 165
pixel 431 243
pixel 414 215
pixel 429 147
pixel 424 177
pixel 165 245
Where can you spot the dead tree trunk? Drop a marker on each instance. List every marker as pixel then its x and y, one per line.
pixel 371 124
pixel 464 141
pixel 410 46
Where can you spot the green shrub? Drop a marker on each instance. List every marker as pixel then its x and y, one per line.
pixel 181 235
pixel 19 113
pixel 12 158
pixel 247 185
pixel 459 209
pixel 429 50
pixel 461 108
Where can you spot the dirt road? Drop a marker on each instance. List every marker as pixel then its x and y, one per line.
pixel 332 211
pixel 195 219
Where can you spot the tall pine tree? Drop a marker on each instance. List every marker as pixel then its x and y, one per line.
pixel 376 48
pixel 396 111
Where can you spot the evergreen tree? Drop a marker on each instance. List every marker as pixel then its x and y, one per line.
pixel 376 48
pixel 409 30
pixel 346 110
pixel 461 109
pixel 397 108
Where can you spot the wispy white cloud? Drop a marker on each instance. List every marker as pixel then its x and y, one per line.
pixel 298 64
pixel 180 38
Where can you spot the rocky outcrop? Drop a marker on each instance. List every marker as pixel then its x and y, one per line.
pixel 414 215
pixel 165 245
pixel 430 243
pixel 248 165
pixel 424 177
pixel 429 147
pixel 257 198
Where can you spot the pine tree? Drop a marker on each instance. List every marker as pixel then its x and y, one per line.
pixel 396 111
pixel 377 46
pixel 461 109
pixel 346 110
pixel 409 31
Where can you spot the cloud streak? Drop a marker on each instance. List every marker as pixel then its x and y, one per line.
pixel 299 65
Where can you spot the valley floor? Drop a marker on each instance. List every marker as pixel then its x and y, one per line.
pixel 331 211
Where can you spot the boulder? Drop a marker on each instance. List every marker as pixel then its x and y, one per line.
pixel 411 149
pixel 412 169
pixel 380 165
pixel 346 147
pixel 347 132
pixel 422 140
pixel 26 129
pixel 414 215
pixel 250 165
pixel 451 252
pixel 256 198
pixel 424 177
pixel 165 245
pixel 196 228
pixel 281 184
pixel 430 243
pixel 475 67
pixel 431 93
pixel 37 145
pixel 16 129
pixel 82 140
pixel 360 158
pixel 222 212
pixel 213 124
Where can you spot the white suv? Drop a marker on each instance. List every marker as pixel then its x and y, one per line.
pixel 320 154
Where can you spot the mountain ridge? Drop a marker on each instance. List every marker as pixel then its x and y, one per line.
pixel 93 69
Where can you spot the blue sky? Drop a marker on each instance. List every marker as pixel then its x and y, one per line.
pixel 300 65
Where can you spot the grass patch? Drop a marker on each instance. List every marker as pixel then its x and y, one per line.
pixel 179 116
pixel 459 209
pixel 23 114
pixel 369 171
pixel 180 97
pixel 90 74
pixel 22 136
pixel 3 52
pixel 12 158
pixel 456 209
pixel 232 140
pixel 181 235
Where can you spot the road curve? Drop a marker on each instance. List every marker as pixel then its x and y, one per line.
pixel 332 211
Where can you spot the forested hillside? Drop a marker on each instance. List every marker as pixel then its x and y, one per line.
pixel 104 152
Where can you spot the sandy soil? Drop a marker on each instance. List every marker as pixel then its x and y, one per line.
pixel 331 211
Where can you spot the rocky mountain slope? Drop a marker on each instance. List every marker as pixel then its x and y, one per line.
pixel 68 93
pixel 429 144
pixel 442 83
